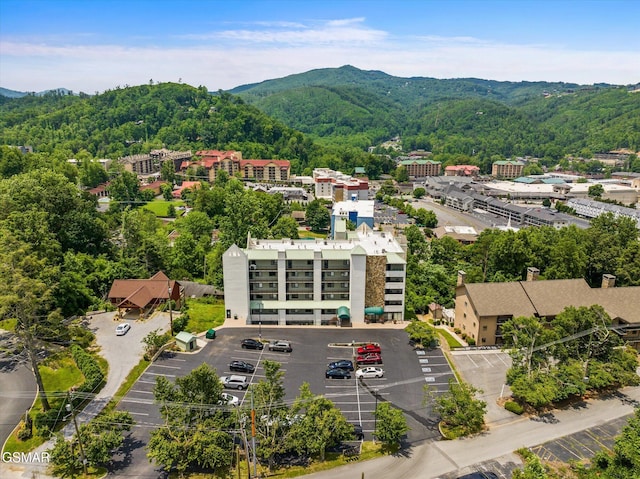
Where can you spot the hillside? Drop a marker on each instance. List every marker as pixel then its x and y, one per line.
pixel 350 106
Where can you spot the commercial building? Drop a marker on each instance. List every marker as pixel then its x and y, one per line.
pixel 316 282
pixel 232 162
pixel 461 170
pixel 481 308
pixel 357 212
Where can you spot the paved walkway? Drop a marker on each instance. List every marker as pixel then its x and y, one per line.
pixel 122 354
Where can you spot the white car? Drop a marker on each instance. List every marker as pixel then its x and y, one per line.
pixel 370 372
pixel 230 399
pixel 122 329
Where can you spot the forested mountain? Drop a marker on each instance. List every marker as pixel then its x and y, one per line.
pixel 463 116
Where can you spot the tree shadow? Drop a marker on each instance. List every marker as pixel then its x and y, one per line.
pixel 124 457
pixel 547 418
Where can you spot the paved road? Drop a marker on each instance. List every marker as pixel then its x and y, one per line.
pixel 443 459
pixel 17 392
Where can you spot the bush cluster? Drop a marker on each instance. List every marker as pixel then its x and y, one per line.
pixel 513 407
pixel 93 376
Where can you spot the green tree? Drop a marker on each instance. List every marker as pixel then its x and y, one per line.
pixel 461 413
pixel 426 218
pixel 320 424
pixel 402 175
pixel 196 422
pixel 167 191
pixel 125 188
pixel 92 174
pixel 168 172
pixel 391 425
pixel 100 438
pixel 419 192
pixel 273 415
pixel 596 191
pixel 533 468
pixel 285 227
pixel 421 333
pixel 317 216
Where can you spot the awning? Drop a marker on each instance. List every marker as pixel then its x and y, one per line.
pixel 378 310
pixel 343 313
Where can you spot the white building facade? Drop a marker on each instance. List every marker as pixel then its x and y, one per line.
pixel 316 282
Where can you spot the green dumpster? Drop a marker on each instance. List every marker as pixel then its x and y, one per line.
pixel 211 334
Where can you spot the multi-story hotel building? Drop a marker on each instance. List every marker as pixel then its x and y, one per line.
pixel 421 168
pixel 336 186
pixel 507 169
pixel 232 162
pixel 319 282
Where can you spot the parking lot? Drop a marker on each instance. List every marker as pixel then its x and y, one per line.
pixel 407 371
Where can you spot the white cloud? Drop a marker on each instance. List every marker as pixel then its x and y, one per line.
pixel 251 55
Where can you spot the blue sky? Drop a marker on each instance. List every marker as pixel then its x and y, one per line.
pixel 94 45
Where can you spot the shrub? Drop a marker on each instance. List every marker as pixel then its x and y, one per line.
pixel 457 330
pixel 26 431
pixel 90 369
pixel 46 421
pixel 180 323
pixel 471 341
pixel 513 407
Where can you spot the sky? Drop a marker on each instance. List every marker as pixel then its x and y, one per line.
pixel 94 45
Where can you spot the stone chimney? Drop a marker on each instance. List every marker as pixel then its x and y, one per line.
pixel 461 277
pixel 532 273
pixel 608 281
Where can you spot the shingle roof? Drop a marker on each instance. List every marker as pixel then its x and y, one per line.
pixel 498 299
pixel 548 298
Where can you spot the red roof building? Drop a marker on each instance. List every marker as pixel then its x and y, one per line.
pixel 144 294
pixel 461 170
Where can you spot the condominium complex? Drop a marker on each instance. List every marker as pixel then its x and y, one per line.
pixel 316 282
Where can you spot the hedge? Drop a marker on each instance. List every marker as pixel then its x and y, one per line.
pixel 93 376
pixel 513 407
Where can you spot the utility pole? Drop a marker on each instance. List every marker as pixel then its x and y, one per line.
pixel 70 409
pixel 170 305
pixel 253 437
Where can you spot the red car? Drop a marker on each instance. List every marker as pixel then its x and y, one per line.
pixel 369 348
pixel 371 358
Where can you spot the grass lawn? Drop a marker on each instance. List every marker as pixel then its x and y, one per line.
pixel 8 324
pixel 303 233
pixel 59 373
pixel 204 314
pixel 370 450
pixel 133 376
pixel 159 207
pixel 451 341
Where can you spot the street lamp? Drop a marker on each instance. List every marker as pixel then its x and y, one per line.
pixel 70 409
pixel 260 320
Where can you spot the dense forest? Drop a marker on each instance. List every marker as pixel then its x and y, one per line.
pixel 476 118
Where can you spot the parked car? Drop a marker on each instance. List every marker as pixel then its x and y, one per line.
pixel 358 432
pixel 235 381
pixel 337 374
pixel 342 364
pixel 480 475
pixel 370 372
pixel 230 399
pixel 241 366
pixel 122 329
pixel 251 344
pixel 280 345
pixel 372 358
pixel 369 348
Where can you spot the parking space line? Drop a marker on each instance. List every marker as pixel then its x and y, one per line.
pixel 503 361
pixel 137 401
pixel 174 359
pixel 146 382
pixel 160 374
pixel 138 413
pixel 469 358
pixel 165 366
pixel 141 392
pixel 485 358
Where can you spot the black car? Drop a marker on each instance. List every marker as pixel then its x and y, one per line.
pixel 358 432
pixel 241 366
pixel 341 364
pixel 251 344
pixel 337 374
pixel 479 475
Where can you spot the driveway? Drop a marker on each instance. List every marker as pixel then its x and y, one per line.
pixel 18 390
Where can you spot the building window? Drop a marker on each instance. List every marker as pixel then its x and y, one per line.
pixel 484 340
pixel 484 328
